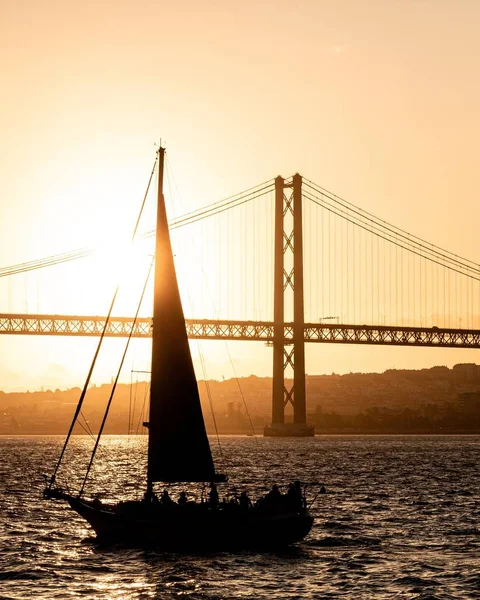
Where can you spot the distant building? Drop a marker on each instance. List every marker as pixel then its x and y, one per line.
pixel 469 402
pixel 466 372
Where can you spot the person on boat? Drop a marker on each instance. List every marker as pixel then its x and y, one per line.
pixel 213 495
pixel 150 497
pixel 274 494
pixel 245 501
pixel 182 499
pixel 291 494
pixel 301 494
pixel 294 496
pixel 165 500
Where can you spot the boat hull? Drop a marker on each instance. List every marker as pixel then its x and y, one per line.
pixel 193 527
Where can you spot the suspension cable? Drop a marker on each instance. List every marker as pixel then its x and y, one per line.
pixel 183 220
pixel 385 226
pixel 375 227
pixel 370 217
pixel 365 227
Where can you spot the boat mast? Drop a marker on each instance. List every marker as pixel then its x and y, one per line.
pixel 157 282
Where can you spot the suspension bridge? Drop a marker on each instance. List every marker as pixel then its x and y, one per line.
pixel 295 264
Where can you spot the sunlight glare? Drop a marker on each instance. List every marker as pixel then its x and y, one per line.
pixel 120 257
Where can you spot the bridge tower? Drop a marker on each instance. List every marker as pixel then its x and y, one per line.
pixel 288 355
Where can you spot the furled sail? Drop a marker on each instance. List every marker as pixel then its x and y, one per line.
pixel 178 448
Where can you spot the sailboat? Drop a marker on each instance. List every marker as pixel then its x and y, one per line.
pixel 179 450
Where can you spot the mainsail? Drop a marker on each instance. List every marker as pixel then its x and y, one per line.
pixel 178 448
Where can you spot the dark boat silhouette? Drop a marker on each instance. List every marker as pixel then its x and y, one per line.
pixel 179 451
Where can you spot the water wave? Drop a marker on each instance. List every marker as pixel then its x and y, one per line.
pixel 399 520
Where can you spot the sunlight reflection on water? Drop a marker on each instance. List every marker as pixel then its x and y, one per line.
pixel 400 519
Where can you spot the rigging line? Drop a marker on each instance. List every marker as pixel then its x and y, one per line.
pixel 142 412
pixel 243 397
pixel 145 195
pixel 202 360
pixel 216 311
pixel 199 347
pixel 84 391
pixel 87 425
pixel 169 185
pixel 97 351
pixel 134 403
pixel 112 393
pixel 87 431
pixel 383 224
pixel 450 268
pixel 130 403
pixel 209 396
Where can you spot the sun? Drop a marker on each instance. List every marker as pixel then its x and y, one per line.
pixel 123 263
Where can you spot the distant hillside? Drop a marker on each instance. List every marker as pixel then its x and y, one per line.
pixel 427 400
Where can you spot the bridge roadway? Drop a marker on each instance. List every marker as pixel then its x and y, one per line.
pixel 65 325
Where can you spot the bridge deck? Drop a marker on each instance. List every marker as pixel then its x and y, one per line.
pixel 65 325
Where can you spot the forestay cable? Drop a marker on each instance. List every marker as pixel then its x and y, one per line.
pixel 104 330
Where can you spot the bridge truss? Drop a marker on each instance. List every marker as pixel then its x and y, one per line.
pixel 261 331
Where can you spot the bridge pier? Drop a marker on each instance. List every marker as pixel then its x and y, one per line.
pixel 288 276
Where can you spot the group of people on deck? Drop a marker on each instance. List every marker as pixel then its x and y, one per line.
pixel 275 501
pixel 293 500
pixel 213 500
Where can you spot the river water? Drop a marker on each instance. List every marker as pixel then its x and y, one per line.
pixel 400 520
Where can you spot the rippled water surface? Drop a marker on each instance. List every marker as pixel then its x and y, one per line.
pixel 400 519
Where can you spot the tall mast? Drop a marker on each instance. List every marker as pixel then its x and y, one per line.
pixel 178 449
pixel 161 215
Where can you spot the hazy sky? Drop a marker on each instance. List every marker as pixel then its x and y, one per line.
pixel 375 100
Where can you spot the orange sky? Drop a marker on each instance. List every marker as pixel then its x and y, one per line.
pixel 375 100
